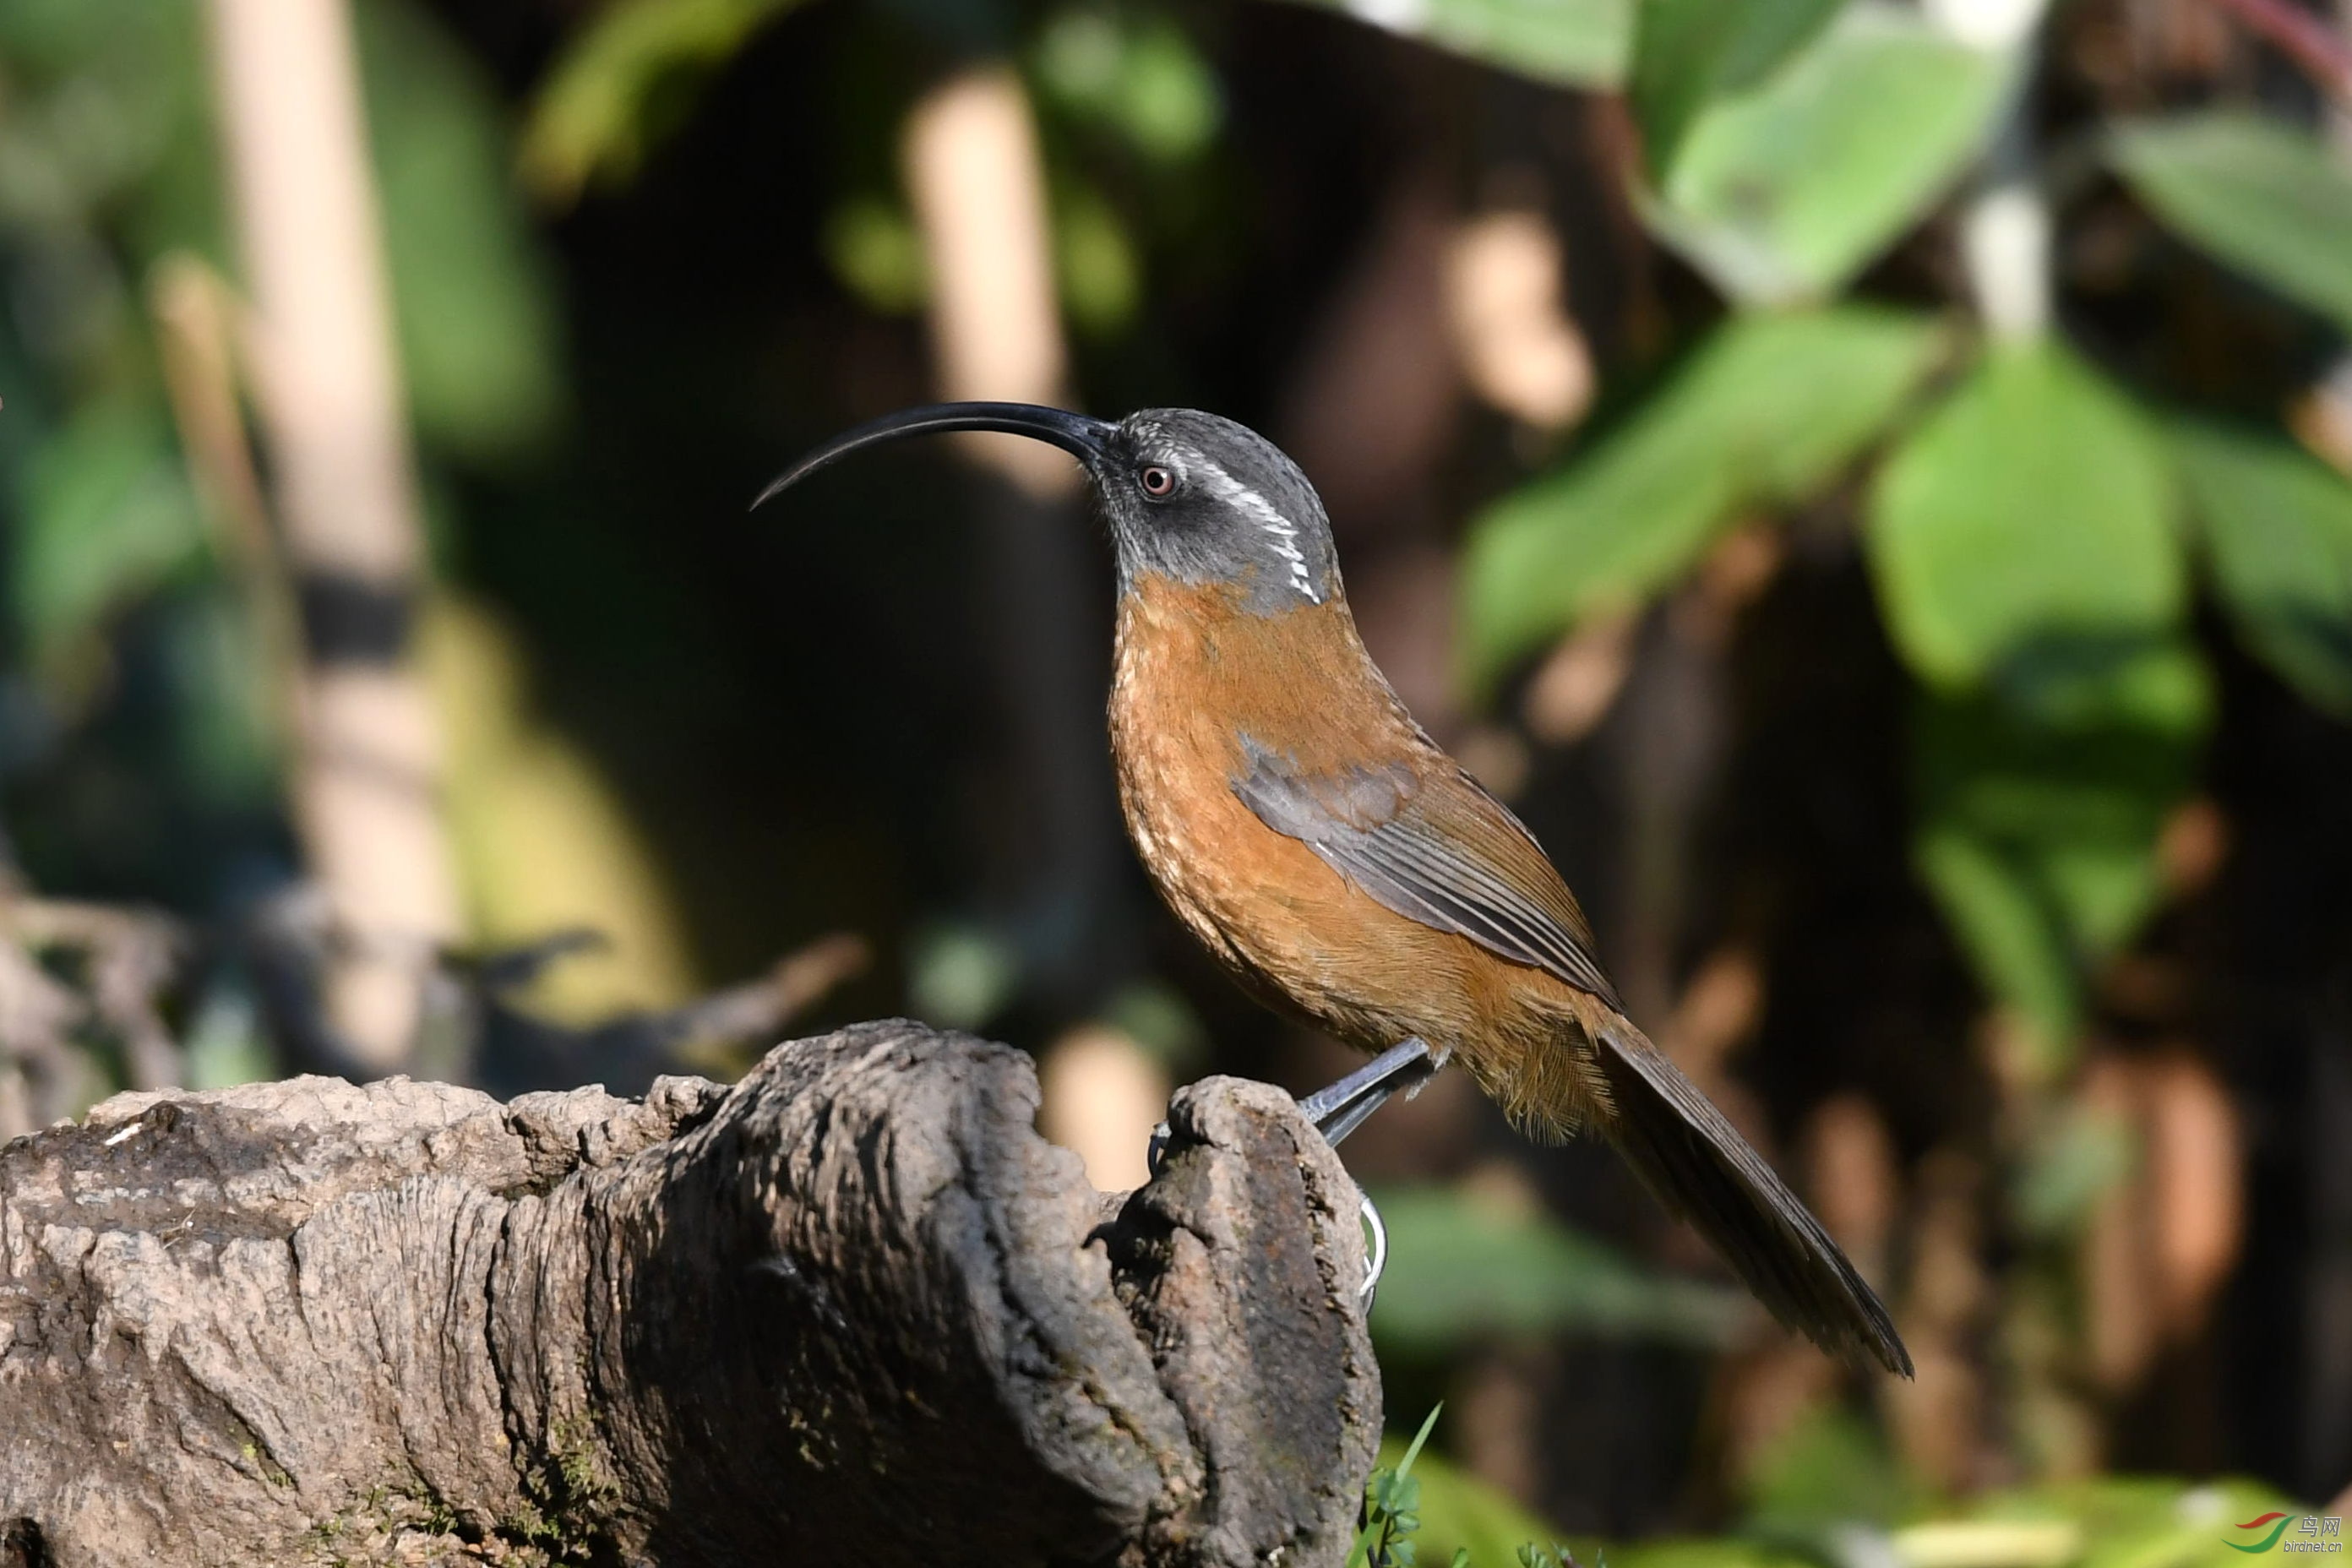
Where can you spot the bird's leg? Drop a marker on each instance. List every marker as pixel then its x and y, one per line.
pixel 1341 1108
pixel 1338 1109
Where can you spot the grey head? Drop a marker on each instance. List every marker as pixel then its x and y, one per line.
pixel 1186 496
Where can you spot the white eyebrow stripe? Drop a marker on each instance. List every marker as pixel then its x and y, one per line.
pixel 1278 527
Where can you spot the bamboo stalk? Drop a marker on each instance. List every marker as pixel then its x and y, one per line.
pixel 366 767
pixel 978 187
pixel 976 178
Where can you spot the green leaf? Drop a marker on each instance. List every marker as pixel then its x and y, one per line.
pixel 2071 1161
pixel 1686 52
pixel 1420 1439
pixel 1460 1269
pixel 2030 572
pixel 2264 198
pixel 1139 77
pixel 958 975
pixel 472 296
pixel 104 513
pixel 1783 193
pixel 98 93
pixel 2118 1523
pixel 873 249
pixel 2025 525
pixel 1094 262
pixel 2276 524
pixel 2038 837
pixel 1577 43
pixel 1392 1498
pixel 623 83
pixel 1768 412
pixel 2014 937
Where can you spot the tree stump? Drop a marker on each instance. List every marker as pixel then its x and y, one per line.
pixel 853 1309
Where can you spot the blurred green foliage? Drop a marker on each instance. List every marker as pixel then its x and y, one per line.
pixel 2038 528
pixel 2265 197
pixel 1771 407
pixel 104 515
pixel 2025 530
pixel 1577 43
pixel 2079 1154
pixel 1829 1474
pixel 1135 72
pixel 106 165
pixel 1787 181
pixel 474 300
pixel 2276 526
pixel 139 735
pixel 1828 1499
pixel 628 78
pixel 2063 703
pixel 102 106
pixel 1127 74
pixel 872 246
pixel 1690 53
pixel 1979 590
pixel 1420 1510
pixel 1467 1270
pixel 1391 1509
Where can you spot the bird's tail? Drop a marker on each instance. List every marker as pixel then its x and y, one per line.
pixel 1706 1172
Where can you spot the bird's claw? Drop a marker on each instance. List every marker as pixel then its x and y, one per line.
pixel 1376 1254
pixel 1338 1109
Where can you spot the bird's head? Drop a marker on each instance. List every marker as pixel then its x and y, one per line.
pixel 1187 495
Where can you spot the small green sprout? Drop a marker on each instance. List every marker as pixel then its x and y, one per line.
pixel 1391 1513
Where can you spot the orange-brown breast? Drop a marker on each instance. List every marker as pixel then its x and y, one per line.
pixel 1193 676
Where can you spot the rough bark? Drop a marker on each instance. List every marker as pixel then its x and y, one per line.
pixel 853 1310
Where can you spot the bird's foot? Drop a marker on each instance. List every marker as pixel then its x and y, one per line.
pixel 1338 1109
pixel 1341 1108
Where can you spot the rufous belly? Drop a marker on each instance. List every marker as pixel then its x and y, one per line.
pixel 1192 676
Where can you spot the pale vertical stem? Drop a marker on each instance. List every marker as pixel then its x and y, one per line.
pixel 976 180
pixel 978 187
pixel 2005 224
pixel 365 783
pixel 2005 242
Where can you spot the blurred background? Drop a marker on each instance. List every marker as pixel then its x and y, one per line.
pixel 1867 481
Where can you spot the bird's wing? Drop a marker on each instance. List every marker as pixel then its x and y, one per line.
pixel 1433 846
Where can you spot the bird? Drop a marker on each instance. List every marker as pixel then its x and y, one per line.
pixel 1347 870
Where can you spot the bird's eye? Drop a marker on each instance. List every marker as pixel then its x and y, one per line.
pixel 1157 482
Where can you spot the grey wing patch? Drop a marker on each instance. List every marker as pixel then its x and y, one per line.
pixel 1362 822
pixel 1309 805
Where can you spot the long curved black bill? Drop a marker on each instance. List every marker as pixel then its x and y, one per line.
pixel 1076 434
